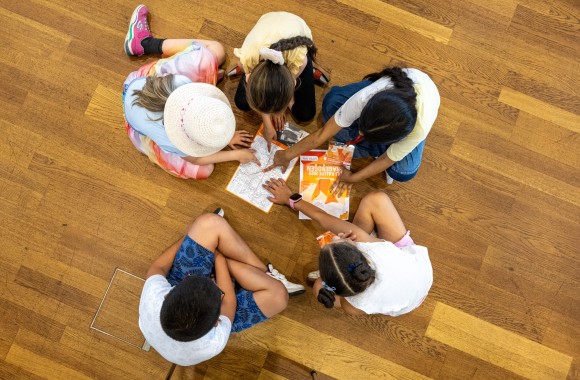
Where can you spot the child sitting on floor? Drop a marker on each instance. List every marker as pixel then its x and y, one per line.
pixel 186 313
pixel 388 274
pixel 387 115
pixel 174 113
pixel 277 59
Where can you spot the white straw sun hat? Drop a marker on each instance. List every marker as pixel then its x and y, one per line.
pixel 198 119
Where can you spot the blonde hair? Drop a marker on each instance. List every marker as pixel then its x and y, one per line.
pixel 154 93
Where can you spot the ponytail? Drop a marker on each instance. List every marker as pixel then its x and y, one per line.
pixel 402 84
pixel 326 295
pixel 344 271
pixel 294 42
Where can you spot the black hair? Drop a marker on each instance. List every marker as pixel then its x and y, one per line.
pixel 191 309
pixel 389 115
pixel 344 268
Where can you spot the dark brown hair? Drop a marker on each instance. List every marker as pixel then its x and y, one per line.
pixel 344 268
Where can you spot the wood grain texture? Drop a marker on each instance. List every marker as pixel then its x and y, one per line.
pixel 497 346
pixel 496 201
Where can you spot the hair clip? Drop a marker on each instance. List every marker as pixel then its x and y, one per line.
pixel 353 266
pixel 329 288
pixel 272 55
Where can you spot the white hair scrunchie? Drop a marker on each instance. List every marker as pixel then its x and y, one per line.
pixel 272 55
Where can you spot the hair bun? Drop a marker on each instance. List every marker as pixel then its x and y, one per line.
pixel 362 273
pixel 326 298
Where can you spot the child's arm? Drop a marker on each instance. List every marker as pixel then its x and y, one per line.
pixel 162 265
pixel 312 141
pixel 281 194
pixel 382 163
pixel 348 308
pixel 347 178
pixel 224 282
pixel 241 155
pixel 330 222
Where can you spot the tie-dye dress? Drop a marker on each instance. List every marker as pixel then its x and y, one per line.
pixel 200 65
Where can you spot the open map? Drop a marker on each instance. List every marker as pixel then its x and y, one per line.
pixel 248 179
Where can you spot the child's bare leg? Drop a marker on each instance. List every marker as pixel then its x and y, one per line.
pixel 215 233
pixel 376 211
pixel 270 295
pixel 173 46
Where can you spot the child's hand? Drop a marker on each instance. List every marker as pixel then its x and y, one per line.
pixel 346 235
pixel 342 183
pixel 279 160
pixel 279 189
pixel 268 131
pixel 278 121
pixel 247 155
pixel 241 138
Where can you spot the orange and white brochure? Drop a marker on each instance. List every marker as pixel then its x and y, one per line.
pixel 248 179
pixel 317 175
pixel 340 154
pixel 325 238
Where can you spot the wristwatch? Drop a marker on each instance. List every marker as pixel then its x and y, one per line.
pixel 294 198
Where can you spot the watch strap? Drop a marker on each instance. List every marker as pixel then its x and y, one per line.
pixel 292 202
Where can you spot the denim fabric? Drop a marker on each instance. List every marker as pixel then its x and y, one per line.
pixel 400 171
pixel 192 258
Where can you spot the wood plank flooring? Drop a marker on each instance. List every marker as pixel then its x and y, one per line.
pixel 496 201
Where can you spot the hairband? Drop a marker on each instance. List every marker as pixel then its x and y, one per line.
pixel 353 266
pixel 329 288
pixel 272 55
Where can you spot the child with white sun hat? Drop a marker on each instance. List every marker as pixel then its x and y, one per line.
pixel 174 113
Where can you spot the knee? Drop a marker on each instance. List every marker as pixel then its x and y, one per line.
pixel 207 220
pixel 375 198
pixel 205 171
pixel 330 103
pixel 279 297
pixel 219 51
pixel 401 177
pixel 242 103
pixel 303 115
pixel 240 96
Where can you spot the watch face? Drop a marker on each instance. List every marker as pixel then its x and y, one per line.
pixel 296 197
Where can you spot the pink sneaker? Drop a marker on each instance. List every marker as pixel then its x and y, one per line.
pixel 138 31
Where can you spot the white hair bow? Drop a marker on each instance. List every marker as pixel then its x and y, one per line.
pixel 272 55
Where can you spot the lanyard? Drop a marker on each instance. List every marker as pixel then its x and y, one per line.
pixel 356 141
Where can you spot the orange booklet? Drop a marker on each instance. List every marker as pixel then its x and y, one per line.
pixel 339 154
pixel 316 178
pixel 325 238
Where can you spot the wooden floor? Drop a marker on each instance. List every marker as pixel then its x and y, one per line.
pixel 496 201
